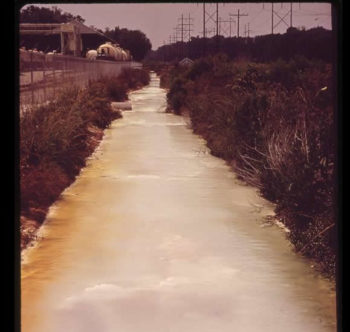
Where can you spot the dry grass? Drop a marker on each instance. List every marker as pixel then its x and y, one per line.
pixel 274 124
pixel 56 139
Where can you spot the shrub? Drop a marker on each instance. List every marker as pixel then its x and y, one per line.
pixel 177 94
pixel 40 186
pixel 284 73
pixel 274 123
pixel 47 131
pixel 55 139
pixel 134 77
pixel 199 67
pixel 116 89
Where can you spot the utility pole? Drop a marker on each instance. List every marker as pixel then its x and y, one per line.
pixel 231 20
pixel 238 16
pixel 248 30
pixel 203 19
pixel 217 19
pixel 182 36
pixel 185 32
pixel 185 26
pixel 272 18
pixel 177 30
pixel 225 29
pixel 172 39
pixel 190 19
pixel 188 27
pixel 291 14
pixel 182 28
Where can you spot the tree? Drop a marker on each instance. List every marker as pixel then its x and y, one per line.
pixel 133 40
pixel 34 14
pixel 311 44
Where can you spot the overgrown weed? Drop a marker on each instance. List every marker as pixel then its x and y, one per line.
pixel 56 139
pixel 274 122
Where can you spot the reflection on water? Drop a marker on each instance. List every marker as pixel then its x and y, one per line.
pixel 157 235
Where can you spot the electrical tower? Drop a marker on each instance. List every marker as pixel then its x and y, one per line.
pixel 274 14
pixel 247 30
pixel 176 33
pixel 172 39
pixel 210 17
pixel 224 28
pixel 238 16
pixel 189 25
pixel 185 27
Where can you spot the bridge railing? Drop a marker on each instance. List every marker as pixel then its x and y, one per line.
pixel 42 76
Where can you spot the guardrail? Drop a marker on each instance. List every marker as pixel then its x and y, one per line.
pixel 43 75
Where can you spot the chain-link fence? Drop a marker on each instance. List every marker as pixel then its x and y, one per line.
pixel 43 75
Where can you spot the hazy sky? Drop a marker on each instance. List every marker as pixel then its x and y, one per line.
pixel 159 20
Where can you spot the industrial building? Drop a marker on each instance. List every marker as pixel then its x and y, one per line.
pixel 72 38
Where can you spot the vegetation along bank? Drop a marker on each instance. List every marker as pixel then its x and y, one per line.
pixel 274 124
pixel 56 139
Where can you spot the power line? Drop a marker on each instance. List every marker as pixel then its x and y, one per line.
pixel 176 34
pixel 238 16
pixel 226 30
pixel 288 15
pixel 185 27
pixel 188 26
pixel 316 14
pixel 274 13
pixel 209 17
pixel 247 30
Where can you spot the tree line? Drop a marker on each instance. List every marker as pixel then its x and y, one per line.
pixel 315 43
pixel 34 14
pixel 134 40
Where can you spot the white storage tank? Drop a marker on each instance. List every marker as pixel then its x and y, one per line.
pixel 108 51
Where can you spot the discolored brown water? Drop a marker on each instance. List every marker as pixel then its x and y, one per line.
pixel 157 235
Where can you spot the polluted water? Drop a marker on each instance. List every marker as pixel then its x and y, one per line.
pixel 156 234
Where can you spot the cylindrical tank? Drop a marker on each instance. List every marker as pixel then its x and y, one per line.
pixel 124 54
pixel 120 56
pixel 108 51
pixel 128 54
pixel 91 54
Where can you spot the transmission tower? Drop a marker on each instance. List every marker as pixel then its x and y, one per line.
pixel 238 16
pixel 247 30
pixel 280 19
pixel 177 33
pixel 185 27
pixel 210 17
pixel 225 27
